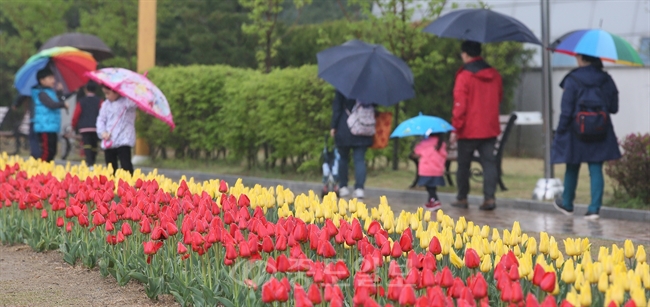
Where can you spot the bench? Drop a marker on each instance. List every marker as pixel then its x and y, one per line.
pixel 11 129
pixel 506 122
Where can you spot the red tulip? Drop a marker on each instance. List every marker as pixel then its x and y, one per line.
pixel 68 227
pixel 151 248
pixel 565 303
pixel 283 263
pixel 406 241
pixel 472 259
pixel 357 232
pixel 300 297
pixel 517 293
pixel 367 265
pixel 396 251
pixel 548 282
pixel 385 248
pixel 314 294
pixel 126 229
pixel 60 222
pixel 360 296
pixel 531 301
pixel 145 227
pixel 549 301
pixel 120 237
pixel 429 262
pixel 412 277
pixel 538 274
pixel 434 246
pixel 300 232
pixel 244 201
pixel 374 228
pixel 274 290
pixel 181 249
pixel 267 244
pixel 428 278
pixel 514 272
pixel 395 288
pixel 223 187
pixel 446 279
pixel 630 303
pixel 407 297
pixel 231 252
pixel 326 249
pixel 44 214
pixel 281 242
pixel 342 271
pixel 479 287
pixel 111 239
pixel 271 266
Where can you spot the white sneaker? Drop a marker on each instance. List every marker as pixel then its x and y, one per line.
pixel 344 191
pixel 358 193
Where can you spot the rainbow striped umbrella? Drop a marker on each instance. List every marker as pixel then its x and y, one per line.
pixel 68 64
pixel 598 43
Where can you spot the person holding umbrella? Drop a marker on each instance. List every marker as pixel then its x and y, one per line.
pixel 47 112
pixel 475 116
pixel 116 128
pixel 587 86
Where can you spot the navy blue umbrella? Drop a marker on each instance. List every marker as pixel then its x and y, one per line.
pixel 366 72
pixel 481 25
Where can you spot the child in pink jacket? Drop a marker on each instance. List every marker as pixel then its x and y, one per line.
pixel 432 153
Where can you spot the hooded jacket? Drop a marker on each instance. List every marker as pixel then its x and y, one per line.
pixel 567 148
pixel 117 118
pixel 477 94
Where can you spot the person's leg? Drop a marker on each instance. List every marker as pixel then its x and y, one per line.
pixel 359 156
pixel 464 160
pixel 124 154
pixel 344 163
pixel 489 165
pixel 570 185
pixel 89 140
pixel 52 140
pixel 34 143
pixel 45 146
pixel 433 194
pixel 111 158
pixel 597 186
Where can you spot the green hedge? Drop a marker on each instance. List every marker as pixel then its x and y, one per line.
pixel 240 111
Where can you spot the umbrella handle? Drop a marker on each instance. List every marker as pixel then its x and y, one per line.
pixel 145 73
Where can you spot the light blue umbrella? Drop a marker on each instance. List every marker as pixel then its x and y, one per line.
pixel 421 125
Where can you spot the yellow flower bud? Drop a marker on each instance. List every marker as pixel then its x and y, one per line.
pixel 485 231
pixel 455 260
pixel 439 216
pixel 427 216
pixel 458 243
pixel 554 251
pixel 568 272
pixel 602 253
pixel 629 249
pixel 495 235
pixel 585 295
pixel 640 255
pixel 638 296
pixel 617 294
pixel 486 264
pixel 603 283
pixel 543 243
pixel 531 246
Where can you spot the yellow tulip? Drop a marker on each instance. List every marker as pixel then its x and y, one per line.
pixel 495 235
pixel 568 272
pixel 459 227
pixel 458 243
pixel 629 249
pixel 580 279
pixel 554 251
pixel 602 253
pixel 485 231
pixel 446 246
pixel 585 295
pixel 414 222
pixel 586 258
pixel 590 275
pixel 617 294
pixel 571 247
pixel 506 237
pixel 640 254
pixel 439 216
pixel 470 228
pixel 543 243
pixel 560 260
pixel 524 238
pixel 427 216
pixel 517 250
pixel 531 246
pixel 455 260
pixel 603 283
pixel 572 297
pixel 486 264
pixel 638 296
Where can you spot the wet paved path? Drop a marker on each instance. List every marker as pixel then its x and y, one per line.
pixel 502 218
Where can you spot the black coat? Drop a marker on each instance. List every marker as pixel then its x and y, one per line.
pixel 343 136
pixel 567 148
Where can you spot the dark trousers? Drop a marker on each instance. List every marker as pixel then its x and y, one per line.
pixel 47 142
pixel 34 143
pixel 359 156
pixel 433 195
pixel 123 154
pixel 488 161
pixel 90 140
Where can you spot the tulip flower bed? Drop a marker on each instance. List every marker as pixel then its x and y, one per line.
pixel 209 244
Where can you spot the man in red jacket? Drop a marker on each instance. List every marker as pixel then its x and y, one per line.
pixel 477 94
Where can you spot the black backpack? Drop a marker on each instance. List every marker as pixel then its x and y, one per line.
pixel 592 113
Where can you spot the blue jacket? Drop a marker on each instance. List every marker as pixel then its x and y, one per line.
pixel 47 115
pixel 343 136
pixel 567 148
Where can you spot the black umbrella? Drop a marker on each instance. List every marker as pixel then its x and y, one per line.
pixel 481 25
pixel 85 42
pixel 366 72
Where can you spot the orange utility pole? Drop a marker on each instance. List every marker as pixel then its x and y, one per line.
pixel 146 58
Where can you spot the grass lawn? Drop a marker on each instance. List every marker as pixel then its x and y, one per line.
pixel 520 177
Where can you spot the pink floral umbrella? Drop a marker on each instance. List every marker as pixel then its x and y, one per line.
pixel 137 88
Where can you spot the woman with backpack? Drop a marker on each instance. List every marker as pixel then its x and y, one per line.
pixel 345 140
pixel 585 133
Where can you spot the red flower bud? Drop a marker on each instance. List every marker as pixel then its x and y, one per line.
pixel 472 259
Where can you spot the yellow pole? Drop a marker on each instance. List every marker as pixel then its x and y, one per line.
pixel 146 56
